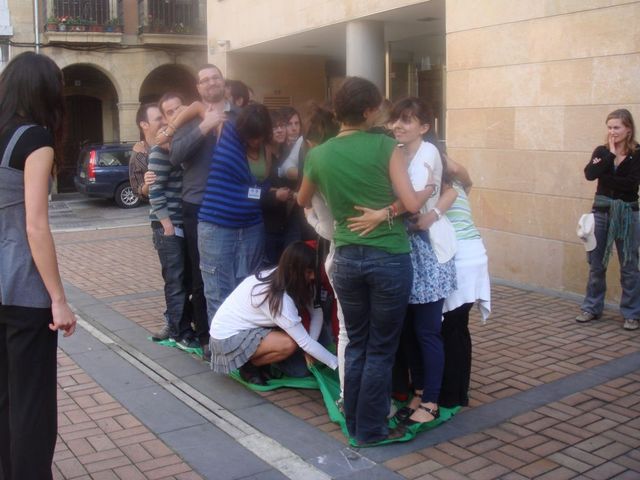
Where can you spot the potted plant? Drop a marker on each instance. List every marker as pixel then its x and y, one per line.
pixel 114 25
pixel 52 24
pixel 62 24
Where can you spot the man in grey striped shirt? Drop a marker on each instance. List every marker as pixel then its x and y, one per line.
pixel 165 198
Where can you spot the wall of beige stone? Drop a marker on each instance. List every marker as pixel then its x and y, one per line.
pixel 529 84
pixel 301 77
pixel 249 22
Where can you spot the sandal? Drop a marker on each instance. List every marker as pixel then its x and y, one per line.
pixel 403 414
pixel 435 413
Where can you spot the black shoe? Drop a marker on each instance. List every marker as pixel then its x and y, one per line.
pixel 187 344
pixel 395 434
pixel 251 374
pixel 403 414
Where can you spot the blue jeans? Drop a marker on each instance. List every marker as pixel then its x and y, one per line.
pixel 629 274
pixel 426 352
pixel 172 254
pixel 373 287
pixel 227 256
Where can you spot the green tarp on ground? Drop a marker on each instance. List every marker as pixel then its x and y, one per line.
pixel 326 380
pixel 170 342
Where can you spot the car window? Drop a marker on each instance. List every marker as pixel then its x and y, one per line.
pixel 114 158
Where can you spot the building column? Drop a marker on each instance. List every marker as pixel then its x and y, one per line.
pixel 127 121
pixel 366 51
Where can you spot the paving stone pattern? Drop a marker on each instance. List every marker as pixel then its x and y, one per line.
pixel 594 434
pixel 530 339
pixel 99 439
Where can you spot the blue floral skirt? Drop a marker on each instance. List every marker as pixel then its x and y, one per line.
pixel 431 280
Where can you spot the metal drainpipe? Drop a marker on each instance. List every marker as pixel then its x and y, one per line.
pixel 36 28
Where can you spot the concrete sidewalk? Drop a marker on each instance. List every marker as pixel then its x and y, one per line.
pixel 550 398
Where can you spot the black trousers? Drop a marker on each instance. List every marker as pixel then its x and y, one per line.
pixel 457 357
pixel 28 410
pixel 195 286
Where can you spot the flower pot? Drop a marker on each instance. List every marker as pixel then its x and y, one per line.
pixel 52 27
pixel 62 27
pixel 96 28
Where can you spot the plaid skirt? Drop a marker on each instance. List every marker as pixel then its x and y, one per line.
pixel 231 353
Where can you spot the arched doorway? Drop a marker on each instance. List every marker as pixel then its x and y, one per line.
pixel 92 116
pixel 168 78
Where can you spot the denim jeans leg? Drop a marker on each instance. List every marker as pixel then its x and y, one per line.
pixel 630 275
pixel 171 252
pixel 597 283
pixel 373 287
pixel 216 246
pixel 353 293
pixel 249 253
pixel 427 323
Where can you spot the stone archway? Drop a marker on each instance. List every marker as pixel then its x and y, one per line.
pixel 168 78
pixel 92 116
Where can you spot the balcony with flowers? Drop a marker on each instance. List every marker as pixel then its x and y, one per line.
pixel 84 21
pixel 172 21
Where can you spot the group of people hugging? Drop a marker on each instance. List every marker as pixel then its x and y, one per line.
pixel 261 207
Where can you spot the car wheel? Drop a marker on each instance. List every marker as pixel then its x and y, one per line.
pixel 125 197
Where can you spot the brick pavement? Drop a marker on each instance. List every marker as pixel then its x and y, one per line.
pixel 530 340
pixel 99 439
pixel 593 434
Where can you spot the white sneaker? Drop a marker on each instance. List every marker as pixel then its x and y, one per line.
pixel 631 324
pixel 585 317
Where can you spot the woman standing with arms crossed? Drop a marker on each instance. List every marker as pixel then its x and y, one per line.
pixel 32 301
pixel 372 274
pixel 616 166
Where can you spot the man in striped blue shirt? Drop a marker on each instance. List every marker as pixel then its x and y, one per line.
pixel 165 198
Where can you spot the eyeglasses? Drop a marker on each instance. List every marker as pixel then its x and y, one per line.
pixel 207 80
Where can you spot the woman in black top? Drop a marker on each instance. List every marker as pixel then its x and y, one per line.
pixel 32 301
pixel 616 166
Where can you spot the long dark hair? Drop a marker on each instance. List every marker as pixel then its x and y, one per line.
pixel 31 91
pixel 321 126
pixel 289 277
pixel 254 122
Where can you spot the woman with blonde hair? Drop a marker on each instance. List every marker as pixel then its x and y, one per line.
pixel 616 167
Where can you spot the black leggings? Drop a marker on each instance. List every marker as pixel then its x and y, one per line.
pixel 457 357
pixel 28 410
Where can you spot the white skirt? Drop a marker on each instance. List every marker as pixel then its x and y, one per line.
pixel 473 278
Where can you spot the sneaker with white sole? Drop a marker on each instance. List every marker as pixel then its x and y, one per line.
pixel 631 324
pixel 585 317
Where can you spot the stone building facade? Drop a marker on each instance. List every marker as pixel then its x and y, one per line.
pixel 520 90
pixel 127 52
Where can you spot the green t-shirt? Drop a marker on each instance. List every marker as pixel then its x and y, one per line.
pixel 354 170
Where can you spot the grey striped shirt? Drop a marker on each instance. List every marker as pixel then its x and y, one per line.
pixel 165 195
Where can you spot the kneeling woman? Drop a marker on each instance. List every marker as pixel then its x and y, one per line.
pixel 258 324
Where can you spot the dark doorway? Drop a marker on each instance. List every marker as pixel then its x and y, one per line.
pixel 83 125
pixel 168 78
